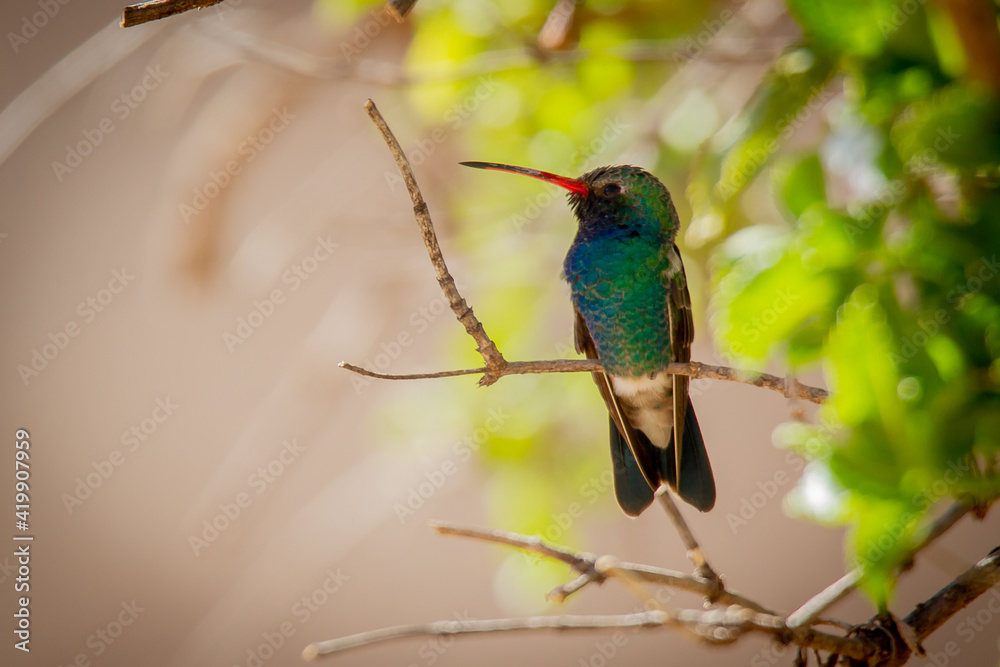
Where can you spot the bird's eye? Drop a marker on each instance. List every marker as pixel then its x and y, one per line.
pixel 612 189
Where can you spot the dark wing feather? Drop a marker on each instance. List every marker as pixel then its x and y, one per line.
pixel 695 482
pixel 681 336
pixel 636 474
pixel 631 488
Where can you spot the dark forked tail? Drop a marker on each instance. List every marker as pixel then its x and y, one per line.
pixel 697 485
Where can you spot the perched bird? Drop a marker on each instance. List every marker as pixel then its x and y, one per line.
pixel 633 313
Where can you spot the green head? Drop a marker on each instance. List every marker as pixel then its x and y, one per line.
pixel 618 199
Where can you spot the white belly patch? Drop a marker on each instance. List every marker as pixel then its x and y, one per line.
pixel 628 387
pixel 648 404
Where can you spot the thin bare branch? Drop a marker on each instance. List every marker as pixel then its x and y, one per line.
pixel 893 641
pixel 491 355
pixel 694 552
pixel 534 544
pixel 160 9
pixel 715 626
pixel 693 369
pixel 817 604
pixel 586 564
pixel 808 612
pixel 560 593
pixel 956 596
pixel 649 619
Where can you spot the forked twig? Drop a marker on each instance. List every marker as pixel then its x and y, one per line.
pixel 586 564
pixel 487 348
pixel 715 626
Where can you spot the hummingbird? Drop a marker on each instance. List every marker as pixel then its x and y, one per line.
pixel 632 313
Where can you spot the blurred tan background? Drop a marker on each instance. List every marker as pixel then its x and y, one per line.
pixel 209 309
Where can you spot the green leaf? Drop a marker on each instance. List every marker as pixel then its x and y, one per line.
pixel 792 92
pixel 800 183
pixel 958 126
pixel 854 27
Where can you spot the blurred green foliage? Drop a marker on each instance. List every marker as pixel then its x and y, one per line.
pixel 848 205
pixel 895 287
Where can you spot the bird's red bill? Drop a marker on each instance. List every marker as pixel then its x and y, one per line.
pixel 571 184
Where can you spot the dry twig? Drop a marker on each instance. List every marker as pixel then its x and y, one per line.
pixel 398 9
pixel 692 369
pixel 586 565
pixel 487 348
pixel 160 9
pixel 931 615
pixel 882 638
pixel 810 611
pixel 649 619
pixel 715 626
pixel 694 552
